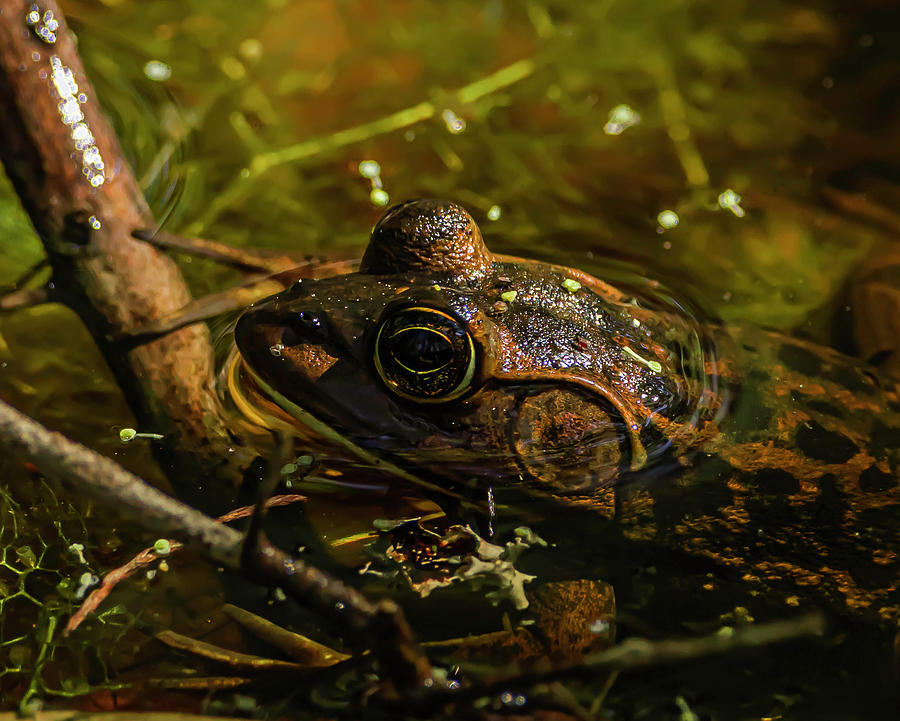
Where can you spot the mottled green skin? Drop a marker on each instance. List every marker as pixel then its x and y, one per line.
pixel 761 462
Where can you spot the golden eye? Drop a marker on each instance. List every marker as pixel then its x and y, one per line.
pixel 424 355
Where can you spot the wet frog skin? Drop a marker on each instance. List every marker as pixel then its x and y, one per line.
pixel 764 459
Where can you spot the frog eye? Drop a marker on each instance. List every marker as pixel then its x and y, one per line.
pixel 425 355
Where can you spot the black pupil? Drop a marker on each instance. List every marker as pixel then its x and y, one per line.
pixel 420 349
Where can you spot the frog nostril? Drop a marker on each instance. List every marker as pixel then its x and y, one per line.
pixel 303 327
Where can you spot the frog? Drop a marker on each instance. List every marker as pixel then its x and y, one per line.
pixel 756 460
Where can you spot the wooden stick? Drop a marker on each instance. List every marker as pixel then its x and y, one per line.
pixel 66 165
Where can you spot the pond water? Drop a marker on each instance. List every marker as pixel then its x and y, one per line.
pixel 744 154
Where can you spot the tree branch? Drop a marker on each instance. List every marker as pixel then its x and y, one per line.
pixel 67 167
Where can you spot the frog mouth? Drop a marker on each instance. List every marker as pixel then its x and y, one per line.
pixel 243 383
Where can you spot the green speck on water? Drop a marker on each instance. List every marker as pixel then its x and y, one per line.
pixel 571 285
pixel 162 547
pixel 127 435
pixel 729 200
pixel 379 197
pixel 509 296
pixel 369 169
pixel 667 219
pixel 653 365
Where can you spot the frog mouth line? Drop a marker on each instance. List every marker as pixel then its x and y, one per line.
pixel 236 364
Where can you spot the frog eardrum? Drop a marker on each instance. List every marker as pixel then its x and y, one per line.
pixel 424 355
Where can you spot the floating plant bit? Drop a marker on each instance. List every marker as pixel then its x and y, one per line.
pixel 455 124
pixel 620 119
pixel 509 296
pixel 127 435
pixel 571 285
pixel 653 365
pixel 494 212
pixel 85 581
pixel 162 547
pixel 379 197
pixel 369 169
pixel 667 220
pixel 729 200
pixel 157 71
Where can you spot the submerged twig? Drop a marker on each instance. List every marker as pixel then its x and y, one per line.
pixel 304 650
pixel 149 556
pixel 638 653
pixel 240 296
pixel 212 652
pixel 860 206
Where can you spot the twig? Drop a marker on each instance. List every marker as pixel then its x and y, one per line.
pixel 638 653
pixel 859 206
pixel 240 296
pixel 24 298
pixel 107 482
pixel 73 180
pixel 212 652
pixel 148 556
pixel 674 113
pixel 225 254
pixel 304 650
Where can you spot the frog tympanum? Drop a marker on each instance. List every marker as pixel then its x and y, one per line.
pixel 767 457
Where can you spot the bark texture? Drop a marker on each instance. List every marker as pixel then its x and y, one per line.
pixel 66 165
